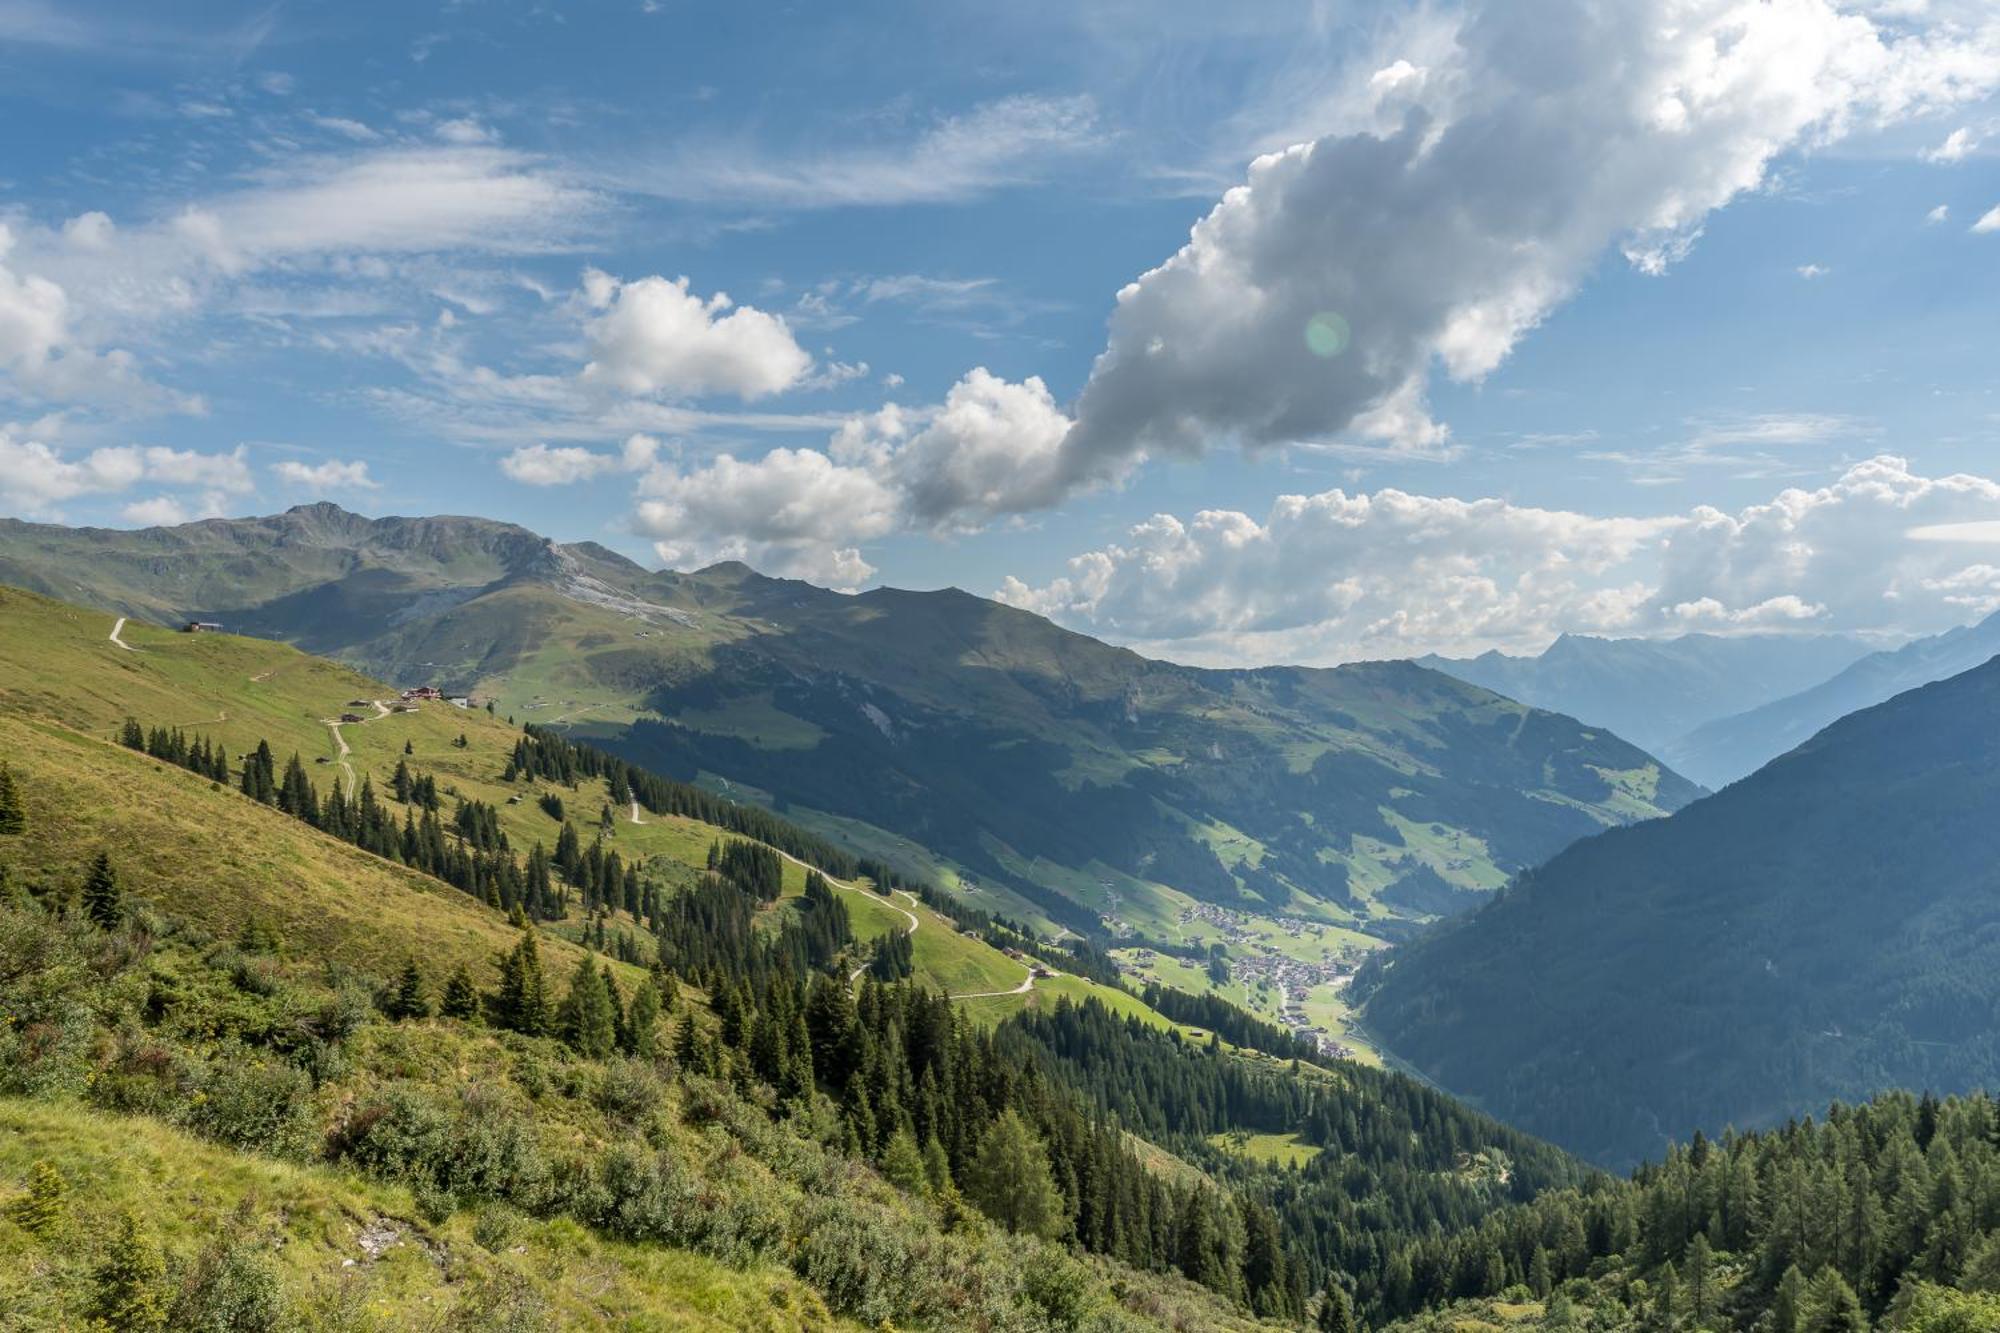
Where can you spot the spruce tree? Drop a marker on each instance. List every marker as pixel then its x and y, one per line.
pixel 101 897
pixel 1010 1180
pixel 132 737
pixel 1336 1312
pixel 523 1002
pixel 12 819
pixel 903 1163
pixel 642 1024
pixel 131 1282
pixel 586 1020
pixel 42 1210
pixel 411 998
pixel 461 996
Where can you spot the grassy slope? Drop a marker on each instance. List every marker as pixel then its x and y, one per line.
pixel 206 854
pixel 65 688
pixel 309 1220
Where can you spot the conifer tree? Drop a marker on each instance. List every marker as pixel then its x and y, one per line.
pixel 1010 1180
pixel 903 1163
pixel 1788 1305
pixel 12 820
pixel 523 1002
pixel 586 1021
pixel 461 996
pixel 43 1209
pixel 131 1281
pixel 411 998
pixel 1336 1312
pixel 1832 1306
pixel 101 896
pixel 133 737
pixel 1700 1281
pixel 642 1024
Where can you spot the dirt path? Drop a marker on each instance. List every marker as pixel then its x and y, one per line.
pixel 1027 984
pixel 118 629
pixel 635 813
pixel 345 767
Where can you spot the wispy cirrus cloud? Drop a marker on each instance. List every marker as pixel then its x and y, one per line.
pixel 1011 141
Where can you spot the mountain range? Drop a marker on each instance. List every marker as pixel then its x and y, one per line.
pixel 1725 749
pixel 1044 773
pixel 1826 928
pixel 1653 692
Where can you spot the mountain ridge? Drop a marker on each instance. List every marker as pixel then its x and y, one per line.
pixel 1066 777
pixel 1826 928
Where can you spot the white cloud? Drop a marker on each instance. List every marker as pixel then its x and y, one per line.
pixel 341 125
pixel 466 130
pixel 1483 186
pixel 1006 142
pixel 37 477
pixel 162 511
pixel 1811 271
pixel 993 449
pixel 539 465
pixel 399 200
pixel 229 473
pixel 1334 576
pixel 332 475
pixel 793 511
pixel 1938 214
pixel 1957 146
pixel 43 356
pixel 657 337
pixel 1988 222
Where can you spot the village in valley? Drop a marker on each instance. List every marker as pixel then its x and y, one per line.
pixel 1245 964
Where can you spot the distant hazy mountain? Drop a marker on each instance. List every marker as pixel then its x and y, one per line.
pixel 1654 691
pixel 1726 749
pixel 1061 769
pixel 1827 927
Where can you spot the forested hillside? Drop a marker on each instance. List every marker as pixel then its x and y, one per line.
pixel 417 1057
pixel 1828 927
pixel 1042 774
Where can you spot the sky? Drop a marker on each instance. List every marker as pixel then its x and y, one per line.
pixel 1239 334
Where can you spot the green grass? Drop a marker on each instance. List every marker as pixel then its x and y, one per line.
pixel 1279 1149
pixel 220 859
pixel 70 687
pixel 307 1221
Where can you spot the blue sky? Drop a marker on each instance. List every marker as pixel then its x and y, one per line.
pixel 1651 316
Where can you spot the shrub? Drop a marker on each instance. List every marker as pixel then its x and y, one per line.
pixel 231 1288
pixel 629 1091
pixel 251 1104
pixel 494 1227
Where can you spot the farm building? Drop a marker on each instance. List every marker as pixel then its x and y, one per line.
pixel 201 627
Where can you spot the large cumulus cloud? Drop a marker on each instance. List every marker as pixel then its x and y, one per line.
pixel 1879 550
pixel 1472 197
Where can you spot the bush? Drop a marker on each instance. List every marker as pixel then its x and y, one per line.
pixel 230 1289
pixel 473 1149
pixel 629 1091
pixel 863 1263
pixel 253 1105
pixel 494 1227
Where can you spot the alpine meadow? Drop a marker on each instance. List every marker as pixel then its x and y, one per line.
pixel 1019 669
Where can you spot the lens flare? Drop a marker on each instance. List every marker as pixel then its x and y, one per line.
pixel 1327 334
